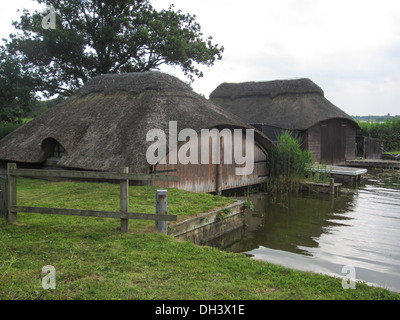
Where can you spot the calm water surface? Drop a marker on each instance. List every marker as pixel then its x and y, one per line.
pixel 359 228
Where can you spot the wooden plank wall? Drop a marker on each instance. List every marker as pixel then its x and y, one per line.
pixel 373 148
pixel 351 143
pixel 203 177
pixel 314 142
pixel 344 136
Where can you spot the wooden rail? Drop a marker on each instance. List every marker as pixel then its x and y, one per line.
pixel 161 217
pixel 98 214
pixel 89 175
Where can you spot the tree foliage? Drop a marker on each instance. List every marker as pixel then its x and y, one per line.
pixel 93 37
pixel 16 85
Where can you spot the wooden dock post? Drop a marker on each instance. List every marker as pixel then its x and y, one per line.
pixel 161 208
pixel 12 193
pixel 124 200
pixel 332 186
pixel 218 179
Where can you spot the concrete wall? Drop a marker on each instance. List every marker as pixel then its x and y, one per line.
pixel 208 226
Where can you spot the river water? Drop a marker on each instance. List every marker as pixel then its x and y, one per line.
pixel 359 229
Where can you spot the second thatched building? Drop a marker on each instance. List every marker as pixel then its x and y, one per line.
pixel 298 106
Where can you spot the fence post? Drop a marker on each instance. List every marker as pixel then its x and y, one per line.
pixel 124 200
pixel 161 208
pixel 12 193
pixel 3 195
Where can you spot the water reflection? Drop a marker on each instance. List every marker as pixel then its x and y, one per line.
pixel 288 222
pixel 359 228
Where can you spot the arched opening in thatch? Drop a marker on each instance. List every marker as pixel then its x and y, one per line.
pixel 52 149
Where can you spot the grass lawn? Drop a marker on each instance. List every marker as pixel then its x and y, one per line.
pixel 105 196
pixel 93 260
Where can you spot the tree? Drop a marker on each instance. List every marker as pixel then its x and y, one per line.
pixel 93 37
pixel 16 94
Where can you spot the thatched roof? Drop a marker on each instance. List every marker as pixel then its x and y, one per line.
pixel 103 126
pixel 290 104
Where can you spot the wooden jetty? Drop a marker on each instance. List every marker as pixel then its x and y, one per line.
pixel 332 187
pixel 341 173
pixel 374 163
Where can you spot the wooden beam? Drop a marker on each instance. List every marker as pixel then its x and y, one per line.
pixel 90 175
pixel 124 200
pixel 12 193
pixel 218 179
pixel 98 214
pixel 332 186
pixel 4 197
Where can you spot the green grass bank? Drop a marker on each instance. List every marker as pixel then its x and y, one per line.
pixel 93 260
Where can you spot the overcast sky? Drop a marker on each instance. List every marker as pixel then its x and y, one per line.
pixel 350 48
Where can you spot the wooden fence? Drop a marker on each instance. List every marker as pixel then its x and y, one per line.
pixel 9 207
pixel 3 195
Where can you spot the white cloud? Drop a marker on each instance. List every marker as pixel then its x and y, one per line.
pixel 347 47
pixel 351 48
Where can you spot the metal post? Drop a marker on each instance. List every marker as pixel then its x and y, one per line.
pixel 124 200
pixel 161 208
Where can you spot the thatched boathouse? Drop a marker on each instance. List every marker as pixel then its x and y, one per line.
pixel 298 106
pixel 104 127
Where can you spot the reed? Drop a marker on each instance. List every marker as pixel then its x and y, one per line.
pixel 289 164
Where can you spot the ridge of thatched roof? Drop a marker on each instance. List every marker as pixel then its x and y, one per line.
pixel 103 126
pixel 134 83
pixel 290 104
pixel 265 88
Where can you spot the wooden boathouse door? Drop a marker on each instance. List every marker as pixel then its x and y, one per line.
pixel 333 141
